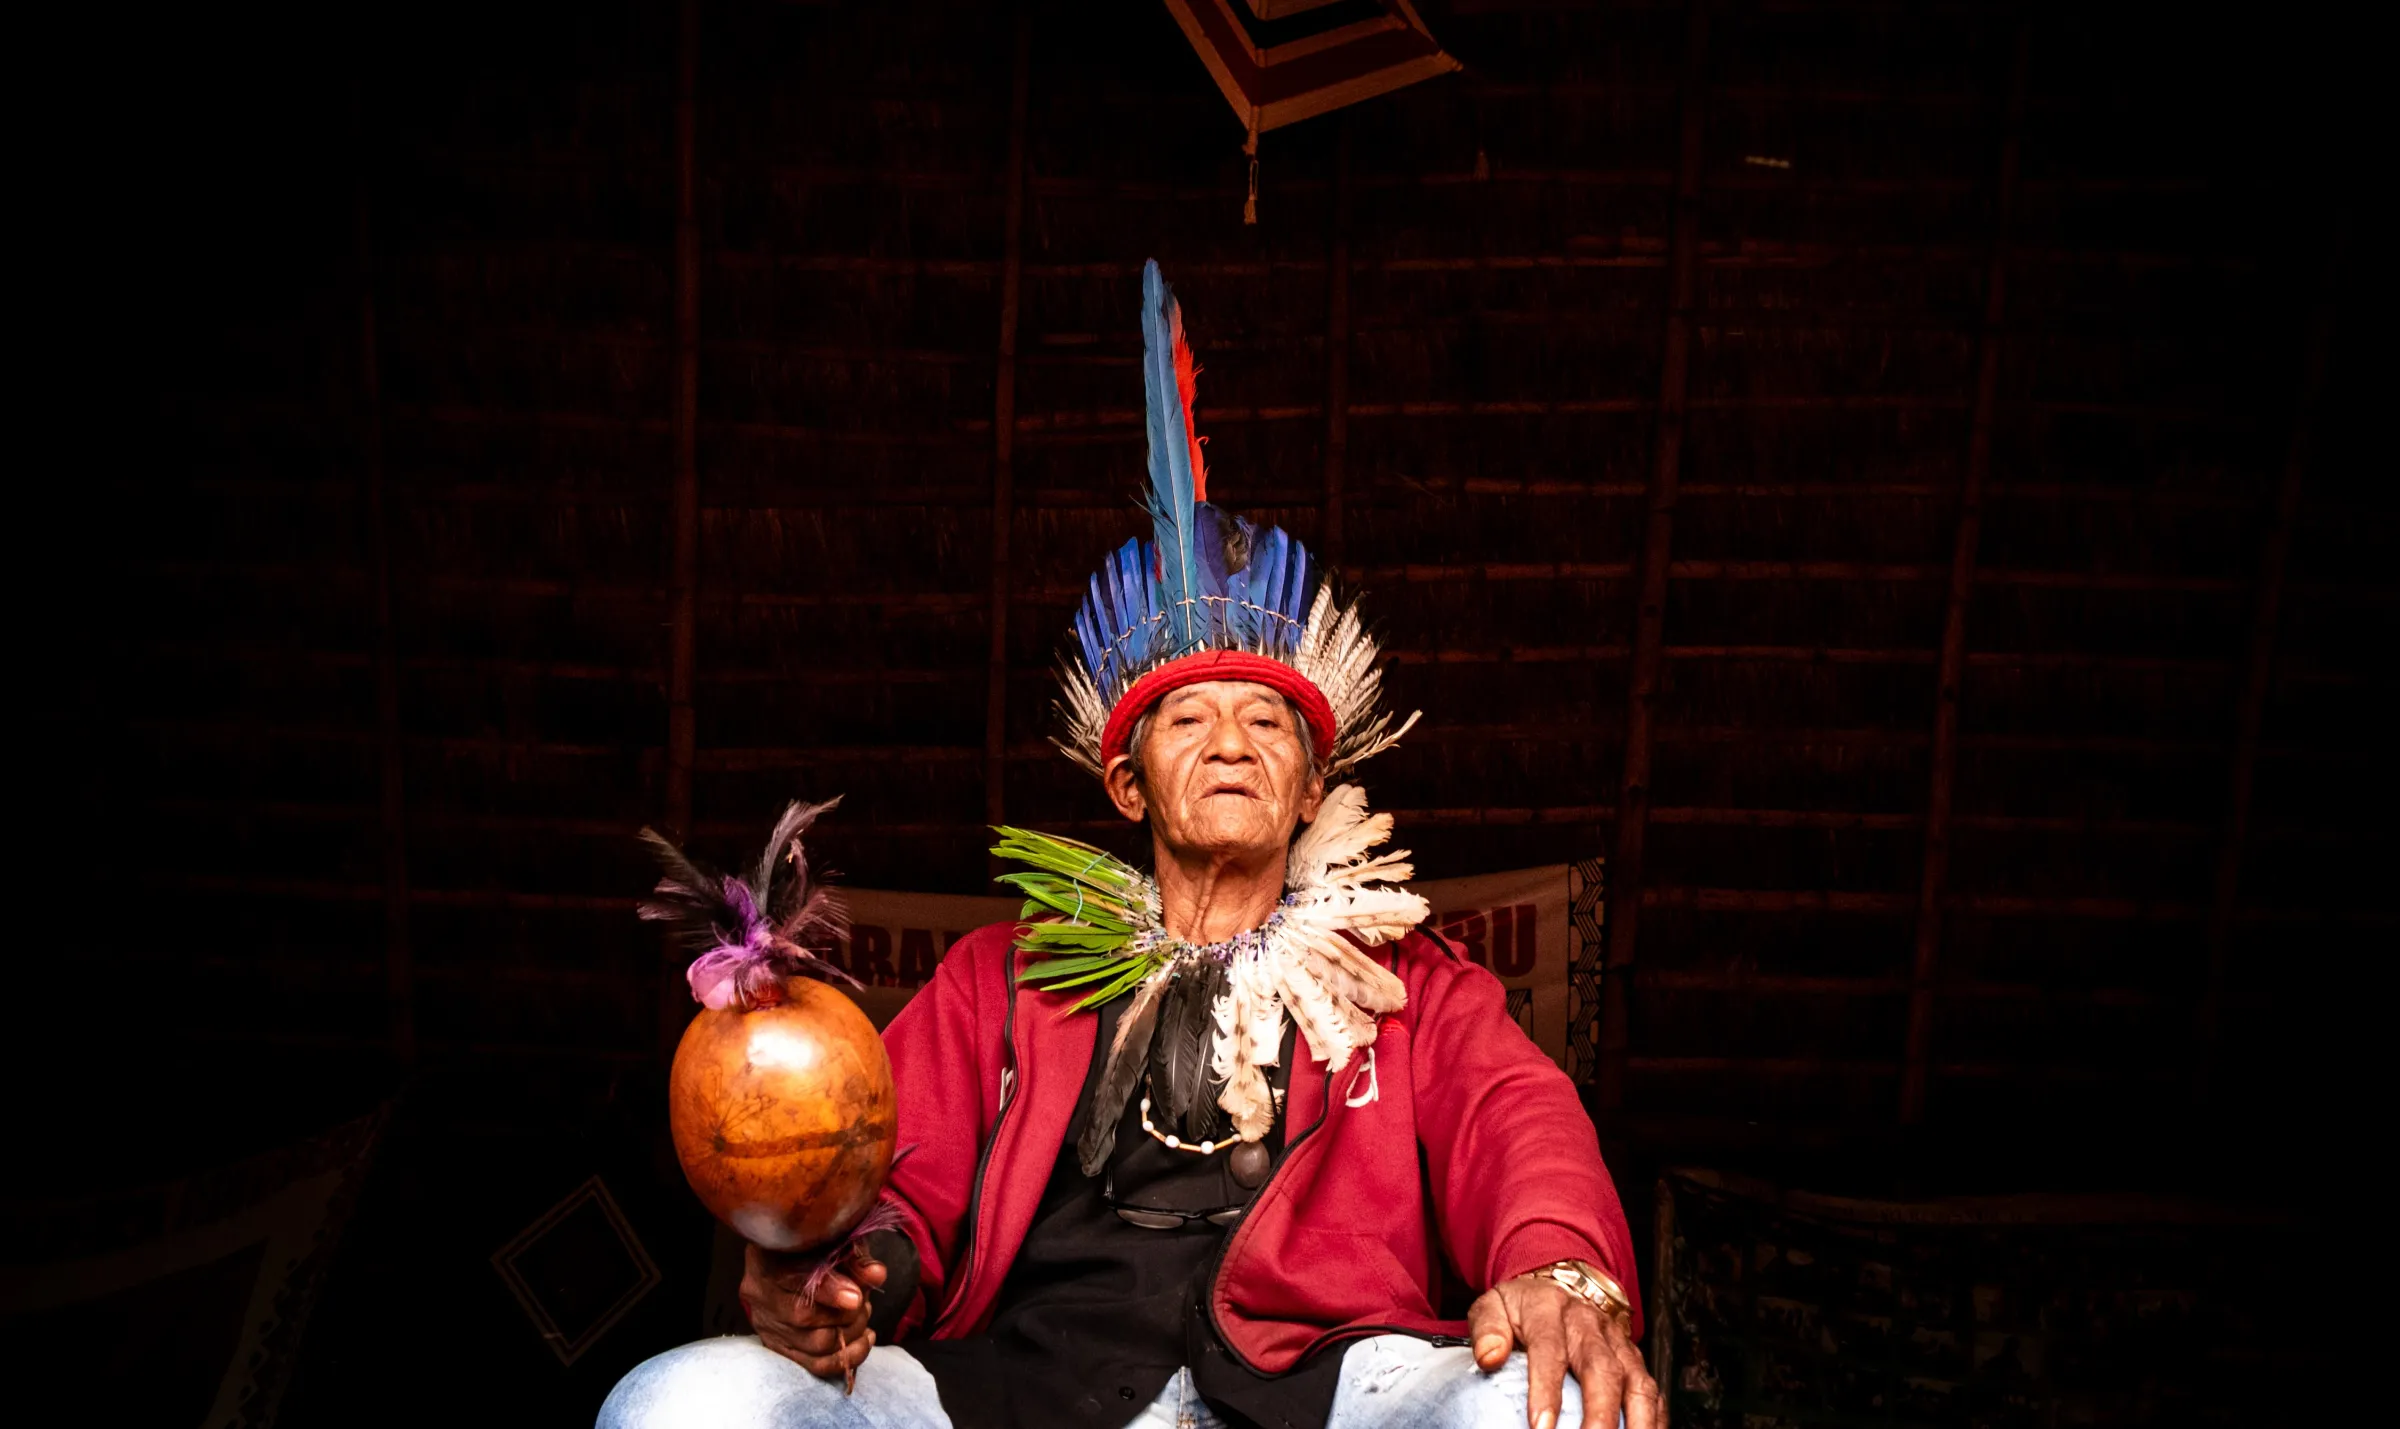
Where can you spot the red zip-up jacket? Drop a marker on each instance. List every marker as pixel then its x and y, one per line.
pixel 1455 1140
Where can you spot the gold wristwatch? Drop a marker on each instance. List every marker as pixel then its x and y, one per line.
pixel 1590 1284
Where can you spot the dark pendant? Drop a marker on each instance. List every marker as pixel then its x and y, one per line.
pixel 1249 1164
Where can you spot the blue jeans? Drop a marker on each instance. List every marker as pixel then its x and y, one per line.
pixel 1388 1382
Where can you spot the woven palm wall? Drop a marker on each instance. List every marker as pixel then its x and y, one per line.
pixel 2007 698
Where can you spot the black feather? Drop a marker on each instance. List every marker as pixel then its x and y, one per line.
pixel 1128 1054
pixel 689 899
pixel 1182 1049
pixel 1237 546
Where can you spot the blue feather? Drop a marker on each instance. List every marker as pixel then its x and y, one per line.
pixel 1266 574
pixel 1171 483
pixel 1137 602
pixel 1299 588
pixel 1089 623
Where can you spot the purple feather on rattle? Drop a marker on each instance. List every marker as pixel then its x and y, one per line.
pixel 749 934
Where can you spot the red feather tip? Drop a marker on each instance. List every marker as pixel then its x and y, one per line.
pixel 1187 374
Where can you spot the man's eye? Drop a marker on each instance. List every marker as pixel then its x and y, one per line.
pixel 1186 721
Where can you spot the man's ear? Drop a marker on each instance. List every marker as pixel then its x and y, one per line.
pixel 1312 798
pixel 1124 785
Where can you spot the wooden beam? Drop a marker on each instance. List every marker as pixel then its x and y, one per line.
pixel 1337 346
pixel 683 578
pixel 1004 428
pixel 399 962
pixel 2258 671
pixel 1660 1321
pixel 2380 917
pixel 468 493
pixel 1658 532
pixel 751 757
pixel 292 811
pixel 1934 873
pixel 883 675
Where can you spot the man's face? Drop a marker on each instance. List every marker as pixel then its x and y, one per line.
pixel 1224 769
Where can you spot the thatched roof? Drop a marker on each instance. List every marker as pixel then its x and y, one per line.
pixel 1826 181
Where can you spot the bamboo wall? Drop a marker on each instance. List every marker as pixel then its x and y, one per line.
pixel 1887 478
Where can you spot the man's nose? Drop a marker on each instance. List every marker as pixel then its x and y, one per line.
pixel 1229 743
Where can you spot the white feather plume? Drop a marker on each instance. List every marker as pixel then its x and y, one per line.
pixel 1084 714
pixel 1309 967
pixel 1338 656
pixel 1342 889
pixel 1332 1027
pixel 1261 1009
pixel 1247 1098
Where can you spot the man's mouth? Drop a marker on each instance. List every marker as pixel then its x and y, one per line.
pixel 1236 790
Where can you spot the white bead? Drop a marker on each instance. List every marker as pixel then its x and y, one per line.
pixel 1173 1144
pixel 1208 1148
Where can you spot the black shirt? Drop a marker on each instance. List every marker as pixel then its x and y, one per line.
pixel 1096 1314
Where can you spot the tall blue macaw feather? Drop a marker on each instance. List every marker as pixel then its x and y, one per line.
pixel 1207 579
pixel 1172 494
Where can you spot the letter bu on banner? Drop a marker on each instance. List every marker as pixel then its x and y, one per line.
pixel 1515 924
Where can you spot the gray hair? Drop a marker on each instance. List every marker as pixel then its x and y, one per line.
pixel 1141 736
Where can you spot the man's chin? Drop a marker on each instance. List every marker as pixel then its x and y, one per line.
pixel 1244 828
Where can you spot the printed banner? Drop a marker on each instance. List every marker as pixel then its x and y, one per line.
pixel 897 939
pixel 1517 924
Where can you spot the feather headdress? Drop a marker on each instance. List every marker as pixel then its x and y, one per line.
pixel 1211 596
pixel 749 933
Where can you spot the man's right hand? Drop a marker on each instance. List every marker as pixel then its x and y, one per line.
pixel 826 1336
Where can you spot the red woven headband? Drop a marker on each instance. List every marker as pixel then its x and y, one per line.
pixel 1218 665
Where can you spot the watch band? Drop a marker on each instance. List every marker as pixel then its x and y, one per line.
pixel 1590 1284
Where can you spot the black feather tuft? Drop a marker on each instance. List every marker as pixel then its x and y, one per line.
pixel 1180 1053
pixel 689 899
pixel 1128 1054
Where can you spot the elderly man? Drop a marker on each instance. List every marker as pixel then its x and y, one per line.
pixel 1217 1143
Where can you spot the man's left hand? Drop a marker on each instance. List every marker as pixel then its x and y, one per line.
pixel 1561 1332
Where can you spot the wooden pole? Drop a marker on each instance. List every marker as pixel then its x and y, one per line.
pixel 1337 345
pixel 1004 428
pixel 684 434
pixel 399 964
pixel 1661 1317
pixel 2258 669
pixel 1658 534
pixel 1934 874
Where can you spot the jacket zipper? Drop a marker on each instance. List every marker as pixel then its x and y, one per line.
pixel 1333 1337
pixel 983 1163
pixel 1216 1271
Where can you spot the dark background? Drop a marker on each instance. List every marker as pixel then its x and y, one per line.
pixel 2170 769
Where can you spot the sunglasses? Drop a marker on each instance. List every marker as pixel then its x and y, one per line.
pixel 1153 1218
pixel 1159 1218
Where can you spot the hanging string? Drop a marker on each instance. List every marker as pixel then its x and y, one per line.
pixel 1250 204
